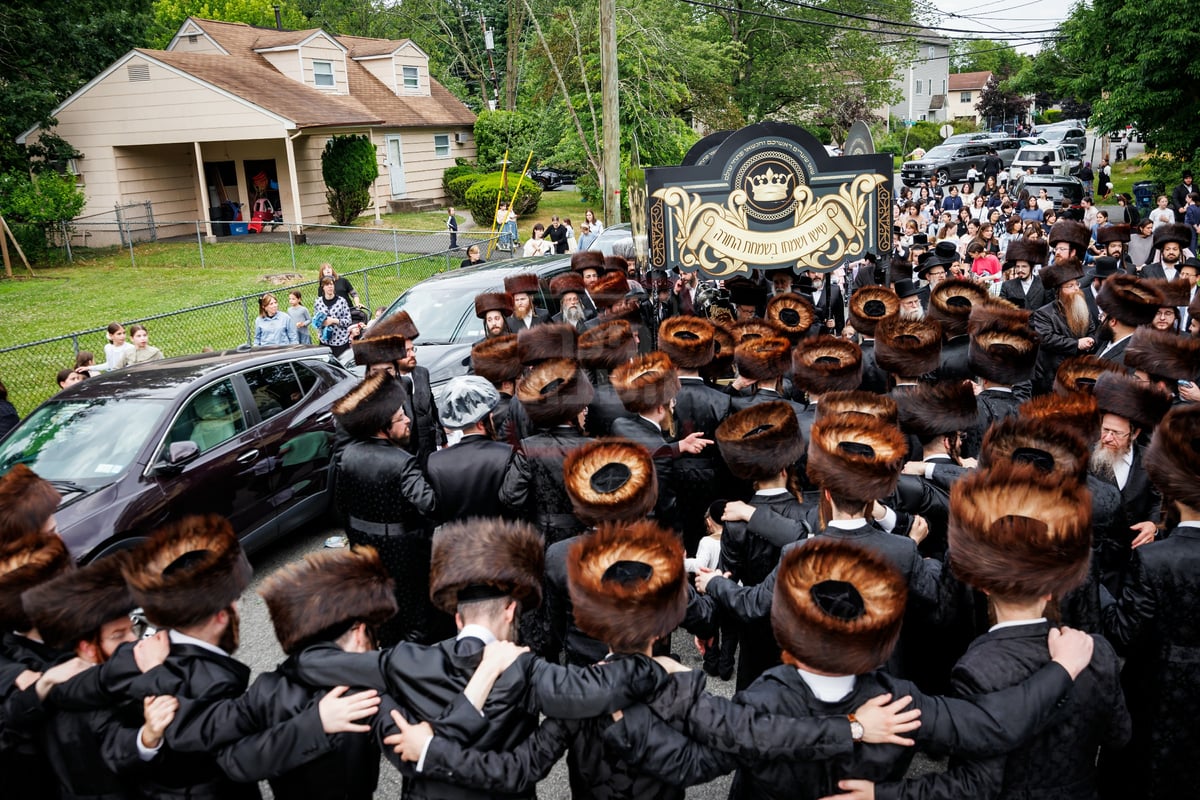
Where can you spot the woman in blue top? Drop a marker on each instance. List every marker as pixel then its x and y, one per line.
pixel 1033 211
pixel 271 326
pixel 331 316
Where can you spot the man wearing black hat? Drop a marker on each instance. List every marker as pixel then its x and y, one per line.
pixel 936 266
pixel 868 272
pixel 1102 269
pixel 1179 195
pixel 1024 289
pixel 1169 242
pixel 826 297
pixel 1063 325
pixel 911 307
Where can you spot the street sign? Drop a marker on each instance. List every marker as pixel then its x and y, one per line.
pixel 946 130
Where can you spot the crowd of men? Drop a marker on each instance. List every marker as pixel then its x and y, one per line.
pixel 971 528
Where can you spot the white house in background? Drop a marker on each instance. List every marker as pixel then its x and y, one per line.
pixel 230 113
pixel 965 91
pixel 923 81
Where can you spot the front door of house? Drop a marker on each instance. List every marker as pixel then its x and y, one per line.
pixel 395 165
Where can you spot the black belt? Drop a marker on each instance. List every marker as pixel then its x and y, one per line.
pixel 377 528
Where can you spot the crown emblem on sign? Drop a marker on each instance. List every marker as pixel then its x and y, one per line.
pixel 769 186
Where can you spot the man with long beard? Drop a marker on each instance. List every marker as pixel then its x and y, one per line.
pixel 1064 324
pixel 910 300
pixel 522 288
pixel 568 288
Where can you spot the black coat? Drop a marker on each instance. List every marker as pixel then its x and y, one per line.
pixel 993 405
pixel 533 483
pixel 1057 344
pixel 1153 625
pixel 638 429
pixel 698 408
pixel 1139 498
pixel 1014 292
pixel 874 378
pixel 421 408
pixel 605 408
pixel 830 306
pixel 540 317
pixel 466 478
pixel 23 760
pixel 1116 353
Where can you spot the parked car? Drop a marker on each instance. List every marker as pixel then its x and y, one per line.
pixel 949 162
pixel 1066 191
pixel 552 178
pixel 960 138
pixel 1031 157
pixel 246 434
pixel 1007 147
pixel 1065 134
pixel 1074 157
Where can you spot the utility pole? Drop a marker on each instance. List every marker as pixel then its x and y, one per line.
pixel 610 113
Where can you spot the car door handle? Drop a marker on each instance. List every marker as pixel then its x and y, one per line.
pixel 247 457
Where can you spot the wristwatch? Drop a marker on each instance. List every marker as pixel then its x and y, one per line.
pixel 856 729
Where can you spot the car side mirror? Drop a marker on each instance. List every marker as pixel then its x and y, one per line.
pixel 178 454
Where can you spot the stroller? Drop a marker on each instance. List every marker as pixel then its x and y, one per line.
pixel 264 213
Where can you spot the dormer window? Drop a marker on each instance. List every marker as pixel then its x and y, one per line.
pixel 323 74
pixel 411 81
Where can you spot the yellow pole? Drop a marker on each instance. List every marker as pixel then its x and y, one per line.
pixel 496 210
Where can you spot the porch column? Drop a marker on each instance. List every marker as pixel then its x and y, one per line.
pixel 202 193
pixel 294 181
pixel 375 183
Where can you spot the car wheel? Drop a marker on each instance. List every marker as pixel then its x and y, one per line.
pixel 943 176
pixel 127 543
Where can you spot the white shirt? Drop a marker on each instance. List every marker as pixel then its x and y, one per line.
pixel 828 688
pixel 887 523
pixel 1016 622
pixel 1121 468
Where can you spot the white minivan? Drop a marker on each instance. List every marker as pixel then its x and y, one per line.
pixel 1031 157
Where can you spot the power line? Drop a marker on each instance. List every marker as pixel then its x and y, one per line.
pixel 880 21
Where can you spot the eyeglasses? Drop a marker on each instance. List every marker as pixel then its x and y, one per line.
pixel 1111 434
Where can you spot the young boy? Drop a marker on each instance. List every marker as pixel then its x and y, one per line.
pixel 300 316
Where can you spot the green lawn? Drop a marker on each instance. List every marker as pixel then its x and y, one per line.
pixel 566 203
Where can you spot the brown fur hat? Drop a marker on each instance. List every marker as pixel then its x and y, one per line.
pixel 1079 373
pixel 951 302
pixel 615 264
pixel 1164 354
pixel 610 480
pixel 493 301
pixel 1033 251
pixel 1057 450
pixel 871 305
pixel 645 382
pixel 856 457
pixel 1174 293
pixel 496 358
pixel 825 364
pixel 792 313
pixel 376 349
pixel 1173 457
pixel 554 392
pixel 1015 534
pixel 1074 410
pixel 908 348
pixel 1004 347
pixel 1193 309
pixel 610 288
pixel 687 341
pixel 755 329
pixel 565 284
pixel 26 502
pixel 320 596
pixel 398 324
pixel 627 584
pixel 74 605
pixel 930 410
pixel 1172 232
pixel 763 359
pixel 369 407
pixel 761 440
pixel 524 283
pixel 1129 300
pixel 1143 404
pixel 187 571
pixel 1114 233
pixel 1061 271
pixel 587 259
pixel 540 343
pixel 606 346
pixel 475 559
pixel 837 606
pixel 880 406
pixel 724 345
pixel 26 562
pixel 1073 233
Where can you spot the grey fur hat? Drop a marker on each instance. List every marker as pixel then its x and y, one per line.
pixel 468 399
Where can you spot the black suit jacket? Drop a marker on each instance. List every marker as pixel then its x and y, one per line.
pixel 1139 498
pixel 466 478
pixel 421 408
pixel 1032 300
pixel 831 305
pixel 1116 353
pixel 540 317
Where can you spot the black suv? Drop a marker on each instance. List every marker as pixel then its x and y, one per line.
pixel 552 178
pixel 949 162
pixel 1066 191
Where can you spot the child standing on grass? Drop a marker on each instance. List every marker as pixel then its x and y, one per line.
pixel 300 316
pixel 117 347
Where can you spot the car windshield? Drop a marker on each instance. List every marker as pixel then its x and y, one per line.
pixel 1032 154
pixel 438 309
pixel 1054 134
pixel 88 442
pixel 941 151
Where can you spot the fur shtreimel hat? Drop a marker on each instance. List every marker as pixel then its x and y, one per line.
pixel 937 409
pixel 721 365
pixel 880 406
pixel 525 283
pixel 73 606
pixel 646 382
pixel 26 562
pixel 871 305
pixel 1061 271
pixel 1143 404
pixel 496 358
pixel 1174 293
pixel 1057 450
pixel 477 559
pixel 1173 458
pixel 606 346
pixel 793 313
pixel 908 348
pixel 826 364
pixel 1031 251
pixel 467 400
pixel 761 441
pixel 398 324
pixel 610 480
pixel 187 571
pixel 687 341
pixel 856 457
pixel 587 259
pixel 27 501
pixel 1079 373
pixel 1164 354
pixel 540 343
pixel 627 584
pixel 1129 299
pixel 566 283
pixel 1073 233
pixel 1193 309
pixel 1015 534
pixel 748 329
pixel 1114 233
pixel 763 359
pixel 493 301
pixel 554 392
pixel 1172 232
pixel 380 349
pixel 951 303
pixel 1004 347
pixel 610 289
pixel 837 607
pixel 319 597
pixel 368 408
pixel 1074 410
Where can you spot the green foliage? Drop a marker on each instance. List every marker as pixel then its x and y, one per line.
pixel 456 189
pixel 1049 116
pixel 348 166
pixel 169 15
pixel 985 55
pixel 47 197
pixel 905 140
pixel 497 132
pixel 481 197
pixel 998 104
pixel 1167 171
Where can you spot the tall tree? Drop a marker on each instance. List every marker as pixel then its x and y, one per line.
pixel 999 105
pixel 170 14
pixel 985 55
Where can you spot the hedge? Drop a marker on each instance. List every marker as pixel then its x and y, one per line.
pixel 456 189
pixel 480 199
pixel 450 174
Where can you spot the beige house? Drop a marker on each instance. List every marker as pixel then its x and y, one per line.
pixel 965 91
pixel 230 113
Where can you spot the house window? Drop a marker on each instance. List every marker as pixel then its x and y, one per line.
pixel 965 97
pixel 932 51
pixel 918 87
pixel 323 74
pixel 410 78
pixel 931 87
pixel 441 145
